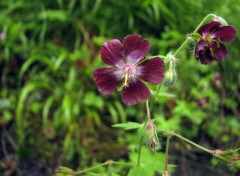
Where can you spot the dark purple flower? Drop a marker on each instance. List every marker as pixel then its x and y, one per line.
pixel 128 67
pixel 209 47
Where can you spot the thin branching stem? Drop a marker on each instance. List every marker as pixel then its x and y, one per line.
pixel 167 151
pixel 109 162
pixel 142 137
pixel 213 152
pixel 148 110
pixel 139 150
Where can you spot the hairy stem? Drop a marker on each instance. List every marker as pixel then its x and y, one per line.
pixel 142 137
pixel 213 152
pixel 139 151
pixel 191 142
pixel 203 21
pixel 109 162
pixel 166 152
pixel 148 110
pixel 156 93
pixel 182 46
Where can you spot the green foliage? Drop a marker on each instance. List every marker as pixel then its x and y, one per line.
pixel 128 125
pixel 149 166
pixel 49 104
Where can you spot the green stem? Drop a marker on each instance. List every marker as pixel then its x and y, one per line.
pixel 182 46
pixel 203 21
pixel 156 93
pixel 171 133
pixel 190 142
pixel 148 110
pixel 110 162
pixel 92 168
pixel 139 151
pixel 166 152
pixel 142 137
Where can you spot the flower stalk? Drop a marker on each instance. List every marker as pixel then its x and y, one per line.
pixel 139 151
pixel 142 137
pixel 216 153
pixel 166 171
pixel 209 16
pixel 65 170
pixel 148 110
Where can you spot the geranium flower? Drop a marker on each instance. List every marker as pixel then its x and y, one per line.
pixel 129 67
pixel 209 47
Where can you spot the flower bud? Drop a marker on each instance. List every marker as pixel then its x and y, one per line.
pixel 151 135
pixel 220 20
pixel 166 173
pixel 169 78
pixel 150 129
pixel 229 156
pixel 65 171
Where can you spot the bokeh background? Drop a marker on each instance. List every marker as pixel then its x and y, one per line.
pixel 51 113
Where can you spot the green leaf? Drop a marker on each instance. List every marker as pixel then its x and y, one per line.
pixel 150 163
pixel 162 94
pixel 137 171
pixel 46 109
pixel 58 15
pixel 128 125
pixel 167 124
pixel 37 58
pixel 91 99
pixel 32 86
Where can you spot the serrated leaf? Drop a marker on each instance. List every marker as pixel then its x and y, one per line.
pixel 137 171
pixel 128 125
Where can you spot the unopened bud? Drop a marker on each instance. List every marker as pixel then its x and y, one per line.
pixel 220 20
pixel 228 156
pixel 166 173
pixel 170 78
pixel 65 171
pixel 150 129
pixel 151 135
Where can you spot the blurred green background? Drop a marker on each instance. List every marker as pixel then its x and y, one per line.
pixel 51 113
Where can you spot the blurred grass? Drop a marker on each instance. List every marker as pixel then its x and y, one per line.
pixel 49 104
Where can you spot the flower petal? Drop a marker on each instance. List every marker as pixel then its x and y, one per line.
pixel 112 52
pixel 201 44
pixel 226 33
pixel 152 70
pixel 202 52
pixel 135 48
pixel 206 58
pixel 135 92
pixel 209 27
pixel 220 53
pixel 106 80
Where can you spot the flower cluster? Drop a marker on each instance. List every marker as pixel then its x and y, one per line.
pixel 128 66
pixel 209 47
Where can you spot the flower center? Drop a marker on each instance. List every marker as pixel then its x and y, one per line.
pixel 208 37
pixel 127 69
